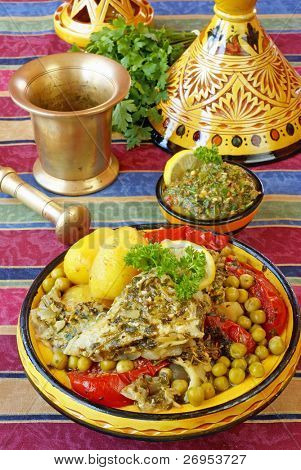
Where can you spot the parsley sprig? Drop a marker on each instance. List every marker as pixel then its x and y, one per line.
pixel 147 54
pixel 186 271
pixel 208 155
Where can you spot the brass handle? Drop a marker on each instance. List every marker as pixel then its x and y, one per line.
pixel 71 223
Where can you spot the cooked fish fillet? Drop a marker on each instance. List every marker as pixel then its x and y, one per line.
pixel 146 320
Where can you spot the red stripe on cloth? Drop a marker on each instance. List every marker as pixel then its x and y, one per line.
pixel 56 436
pixel 29 46
pixel 9 109
pixel 292 163
pixel 11 301
pixel 4 79
pixel 28 247
pixel 288 43
pixel 146 157
pixel 276 243
pixel 19 157
pixel 10 360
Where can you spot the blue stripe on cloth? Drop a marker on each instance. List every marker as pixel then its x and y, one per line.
pixel 143 184
pixel 24 60
pixel 7 273
pixel 206 8
pixel 30 9
pixel 22 273
pixel 27 9
pixel 59 417
pixel 16 60
pixel 12 375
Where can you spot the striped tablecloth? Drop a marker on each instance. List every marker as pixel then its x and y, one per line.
pixel 27 242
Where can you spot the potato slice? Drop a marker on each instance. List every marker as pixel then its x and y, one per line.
pixel 109 273
pixel 80 256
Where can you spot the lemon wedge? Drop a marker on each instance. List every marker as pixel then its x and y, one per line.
pixel 178 164
pixel 179 246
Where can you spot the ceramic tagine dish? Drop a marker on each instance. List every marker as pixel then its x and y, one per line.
pixel 233 88
pixel 159 332
pixel 76 20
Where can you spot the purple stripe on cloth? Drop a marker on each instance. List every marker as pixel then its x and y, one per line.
pixel 10 360
pixel 66 435
pixel 9 109
pixel 11 301
pixel 18 46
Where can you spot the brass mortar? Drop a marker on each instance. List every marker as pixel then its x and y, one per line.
pixel 70 98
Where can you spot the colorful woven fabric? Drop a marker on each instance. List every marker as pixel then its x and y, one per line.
pixel 27 241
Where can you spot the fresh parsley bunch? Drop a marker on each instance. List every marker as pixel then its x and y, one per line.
pixel 147 54
pixel 186 271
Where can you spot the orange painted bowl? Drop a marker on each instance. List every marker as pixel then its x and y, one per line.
pixel 230 225
pixel 226 409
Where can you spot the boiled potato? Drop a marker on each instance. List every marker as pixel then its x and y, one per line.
pixel 77 294
pixel 80 256
pixel 109 273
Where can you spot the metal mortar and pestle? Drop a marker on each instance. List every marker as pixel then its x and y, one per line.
pixel 70 98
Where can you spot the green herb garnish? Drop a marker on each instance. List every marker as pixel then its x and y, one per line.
pixel 209 155
pixel 146 53
pixel 186 271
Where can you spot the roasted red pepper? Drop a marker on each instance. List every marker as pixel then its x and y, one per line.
pixel 207 239
pixel 271 301
pixel 230 330
pixel 104 389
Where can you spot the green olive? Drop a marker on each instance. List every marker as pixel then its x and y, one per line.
pixel 256 370
pixel 166 372
pixel 62 283
pixel 236 375
pixel 238 350
pixel 84 363
pixel 239 363
pixel 59 360
pixel 219 369
pixel 253 303
pixel 262 352
pixel 264 342
pixel 196 395
pixel 107 365
pixel 221 384
pixel 251 358
pixel 258 317
pixel 209 390
pixel 246 281
pixel 232 281
pixel 57 272
pixel 242 296
pixel 226 251
pixel 72 362
pixel 231 294
pixel 48 284
pixel 244 321
pixel 125 365
pixel 258 334
pixel 225 360
pixel 179 386
pixel 276 345
pixel 254 327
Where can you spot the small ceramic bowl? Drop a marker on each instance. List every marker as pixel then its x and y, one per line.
pixel 230 225
pixel 216 414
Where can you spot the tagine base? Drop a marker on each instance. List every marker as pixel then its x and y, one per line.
pixel 234 89
pixel 247 160
pixel 76 187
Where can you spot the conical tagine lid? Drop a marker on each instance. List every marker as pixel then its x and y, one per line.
pixel 233 88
